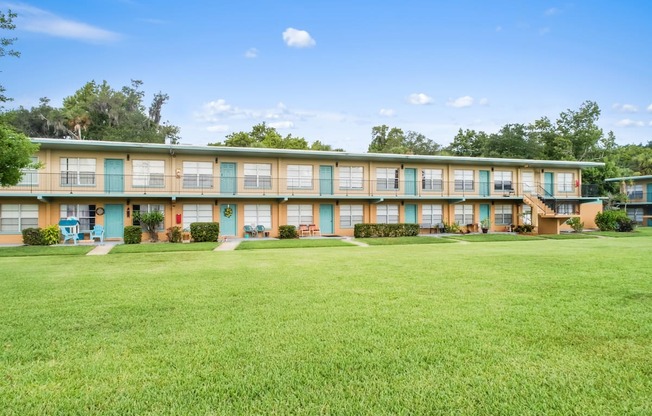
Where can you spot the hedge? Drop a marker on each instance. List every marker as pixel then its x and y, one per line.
pixel 287 231
pixel 204 231
pixel 33 237
pixel 385 230
pixel 610 220
pixel 133 234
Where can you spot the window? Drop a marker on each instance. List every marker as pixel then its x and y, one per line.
pixel 386 179
pixel 84 213
pixel 196 213
pixel 464 214
pixel 528 182
pixel 197 175
pixel 527 214
pixel 351 177
pixel 258 215
pixel 76 171
pixel 503 181
pixel 566 209
pixel 387 214
pixel 565 182
pixel 463 180
pixel 299 214
pixel 635 191
pixel 635 214
pixel 503 214
pixel 299 177
pixel 145 208
pixel 432 214
pixel 258 175
pixel 30 176
pixel 149 173
pixel 432 180
pixel 14 218
pixel 350 215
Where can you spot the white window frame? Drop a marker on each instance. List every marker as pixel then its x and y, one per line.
pixel 258 176
pixel 350 215
pixel 77 171
pixel 85 213
pixel 145 208
pixel 196 213
pixel 635 214
pixel 298 214
pixel 432 180
pixel 634 191
pixel 464 180
pixel 351 177
pixel 503 181
pixel 565 182
pixel 566 208
pixel 14 218
pixel 387 179
pixel 528 181
pixel 299 176
pixel 258 214
pixel 503 214
pixel 387 214
pixel 464 214
pixel 527 214
pixel 432 214
pixel 29 176
pixel 197 175
pixel 148 173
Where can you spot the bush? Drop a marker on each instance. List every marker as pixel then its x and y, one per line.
pixel 151 221
pixel 385 230
pixel 51 235
pixel 576 224
pixel 204 231
pixel 174 234
pixel 608 220
pixel 33 237
pixel 625 225
pixel 524 228
pixel 452 228
pixel 287 232
pixel 133 234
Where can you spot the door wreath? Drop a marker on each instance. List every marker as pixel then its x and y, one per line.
pixel 228 211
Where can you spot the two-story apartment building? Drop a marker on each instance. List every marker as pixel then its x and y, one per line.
pixel 107 182
pixel 639 197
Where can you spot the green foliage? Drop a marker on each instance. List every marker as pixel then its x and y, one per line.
pixel 625 224
pixel 7 23
pixel 150 221
pixel 452 228
pixel 174 234
pixel 287 232
pixel 523 228
pixel 608 220
pixel 133 234
pixel 205 231
pixel 485 223
pixel 576 224
pixel 386 140
pixel 15 154
pixel 51 234
pixel 268 137
pixel 385 230
pixel 33 237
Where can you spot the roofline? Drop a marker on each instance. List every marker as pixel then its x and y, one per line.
pixel 628 178
pixel 291 153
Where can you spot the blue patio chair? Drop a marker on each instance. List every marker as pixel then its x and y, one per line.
pixel 97 232
pixel 260 229
pixel 70 230
pixel 249 231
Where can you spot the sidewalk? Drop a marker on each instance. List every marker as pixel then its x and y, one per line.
pixel 102 248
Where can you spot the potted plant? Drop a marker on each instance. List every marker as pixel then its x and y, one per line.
pixel 185 235
pixel 485 224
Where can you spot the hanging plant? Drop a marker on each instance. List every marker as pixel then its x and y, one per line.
pixel 228 211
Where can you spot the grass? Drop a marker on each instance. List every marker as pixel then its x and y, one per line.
pixel 390 241
pixel 163 247
pixel 293 243
pixel 638 232
pixel 567 236
pixel 549 327
pixel 19 251
pixel 490 237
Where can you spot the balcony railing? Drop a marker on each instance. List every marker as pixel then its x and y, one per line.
pixel 252 185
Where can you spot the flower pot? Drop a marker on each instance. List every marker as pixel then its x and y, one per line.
pixel 485 230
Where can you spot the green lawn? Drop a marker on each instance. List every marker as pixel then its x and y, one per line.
pixel 293 243
pixel 638 232
pixel 390 241
pixel 567 236
pixel 491 237
pixel 162 247
pixel 545 327
pixel 16 251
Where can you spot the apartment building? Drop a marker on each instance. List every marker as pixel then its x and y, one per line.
pixel 639 198
pixel 107 182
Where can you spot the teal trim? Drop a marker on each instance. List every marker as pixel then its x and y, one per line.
pixel 484 183
pixel 649 192
pixel 326 218
pixel 229 225
pixel 549 183
pixel 114 177
pixel 629 178
pixel 113 221
pixel 485 211
pixel 228 178
pixel 325 180
pixel 410 213
pixel 410 181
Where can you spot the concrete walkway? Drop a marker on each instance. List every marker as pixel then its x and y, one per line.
pixel 354 242
pixel 102 248
pixel 229 245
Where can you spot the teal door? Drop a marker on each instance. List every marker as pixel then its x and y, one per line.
pixel 326 218
pixel 649 208
pixel 410 181
pixel 229 225
pixel 228 178
pixel 484 212
pixel 548 183
pixel 114 220
pixel 410 213
pixel 484 183
pixel 114 177
pixel 325 181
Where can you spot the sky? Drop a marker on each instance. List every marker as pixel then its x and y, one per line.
pixel 332 70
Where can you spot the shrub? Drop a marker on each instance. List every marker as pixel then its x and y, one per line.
pixel 287 231
pixel 174 234
pixel 576 224
pixel 151 221
pixel 385 230
pixel 625 225
pixel 51 235
pixel 205 231
pixel 33 237
pixel 608 220
pixel 133 234
pixel 523 228
pixel 452 228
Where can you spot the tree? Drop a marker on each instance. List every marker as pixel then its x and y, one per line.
pixel 7 23
pixel 393 140
pixel 468 143
pixel 150 221
pixel 15 154
pixel 262 135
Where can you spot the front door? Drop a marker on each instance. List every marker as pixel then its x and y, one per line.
pixel 484 183
pixel 114 176
pixel 410 181
pixel 410 213
pixel 548 183
pixel 325 181
pixel 114 221
pixel 228 219
pixel 326 218
pixel 228 178
pixel 484 211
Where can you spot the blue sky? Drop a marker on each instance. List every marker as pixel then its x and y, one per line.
pixel 331 70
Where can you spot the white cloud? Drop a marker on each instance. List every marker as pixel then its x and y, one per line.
pixel 625 108
pixel 36 20
pixel 387 112
pixel 552 11
pixel 499 28
pixel 419 99
pixel 282 125
pixel 483 101
pixel 218 128
pixel 627 122
pixel 649 108
pixel 298 38
pixel 251 53
pixel 461 102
